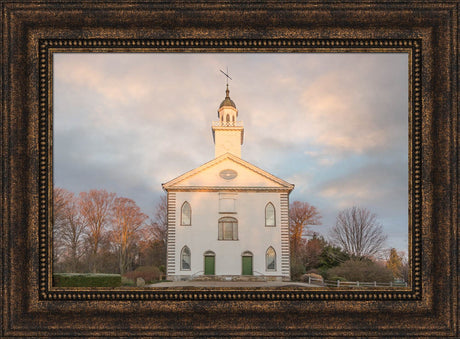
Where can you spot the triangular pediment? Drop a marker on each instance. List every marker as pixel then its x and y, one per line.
pixel 227 171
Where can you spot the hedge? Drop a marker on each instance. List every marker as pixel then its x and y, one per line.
pixel 86 280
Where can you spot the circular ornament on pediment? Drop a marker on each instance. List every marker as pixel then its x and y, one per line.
pixel 228 174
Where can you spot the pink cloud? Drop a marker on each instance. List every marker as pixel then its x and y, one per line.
pixel 339 117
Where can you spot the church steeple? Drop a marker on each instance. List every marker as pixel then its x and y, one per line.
pixel 227 101
pixel 228 131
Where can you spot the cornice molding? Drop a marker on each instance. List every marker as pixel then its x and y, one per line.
pixel 227 188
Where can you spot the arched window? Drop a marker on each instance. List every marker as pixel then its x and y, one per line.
pixel 228 228
pixel 186 214
pixel 228 118
pixel 270 259
pixel 270 215
pixel 185 259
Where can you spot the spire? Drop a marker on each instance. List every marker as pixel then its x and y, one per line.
pixel 228 131
pixel 227 101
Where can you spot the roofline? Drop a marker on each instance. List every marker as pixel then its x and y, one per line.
pixel 237 160
pixel 227 188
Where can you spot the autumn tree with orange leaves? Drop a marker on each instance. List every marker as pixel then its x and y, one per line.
pixel 128 221
pixel 301 215
pixel 395 263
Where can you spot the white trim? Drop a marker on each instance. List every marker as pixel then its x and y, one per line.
pixel 171 238
pixel 284 255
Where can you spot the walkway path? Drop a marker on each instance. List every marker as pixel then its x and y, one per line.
pixel 230 284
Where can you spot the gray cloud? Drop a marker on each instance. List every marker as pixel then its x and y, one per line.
pixel 334 125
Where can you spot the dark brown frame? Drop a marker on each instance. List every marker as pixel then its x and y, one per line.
pixel 428 31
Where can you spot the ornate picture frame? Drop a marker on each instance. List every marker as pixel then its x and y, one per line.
pixel 33 31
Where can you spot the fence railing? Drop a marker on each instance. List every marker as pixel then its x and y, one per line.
pixel 227 124
pixel 338 283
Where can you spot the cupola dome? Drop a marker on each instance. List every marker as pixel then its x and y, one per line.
pixel 227 101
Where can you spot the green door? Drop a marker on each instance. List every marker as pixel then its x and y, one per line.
pixel 247 265
pixel 209 265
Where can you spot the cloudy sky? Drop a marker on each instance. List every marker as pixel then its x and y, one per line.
pixel 335 125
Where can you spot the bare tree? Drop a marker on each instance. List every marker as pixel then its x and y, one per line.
pixel 160 220
pixel 155 235
pixel 358 232
pixel 405 266
pixel 59 212
pixel 95 208
pixel 128 221
pixel 68 228
pixel 301 214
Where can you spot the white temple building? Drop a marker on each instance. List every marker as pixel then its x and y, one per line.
pixel 228 219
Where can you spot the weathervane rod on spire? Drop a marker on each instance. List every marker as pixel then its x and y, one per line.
pixel 226 74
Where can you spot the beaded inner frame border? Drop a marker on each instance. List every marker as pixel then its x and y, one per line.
pixel 49 46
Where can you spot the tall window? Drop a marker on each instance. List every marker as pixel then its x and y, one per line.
pixel 228 228
pixel 186 214
pixel 270 259
pixel 270 215
pixel 185 259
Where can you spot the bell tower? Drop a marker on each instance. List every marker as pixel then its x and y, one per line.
pixel 228 131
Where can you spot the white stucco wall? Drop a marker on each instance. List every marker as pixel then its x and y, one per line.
pixel 253 235
pixel 227 140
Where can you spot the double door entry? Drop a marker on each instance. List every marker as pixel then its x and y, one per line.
pixel 210 263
